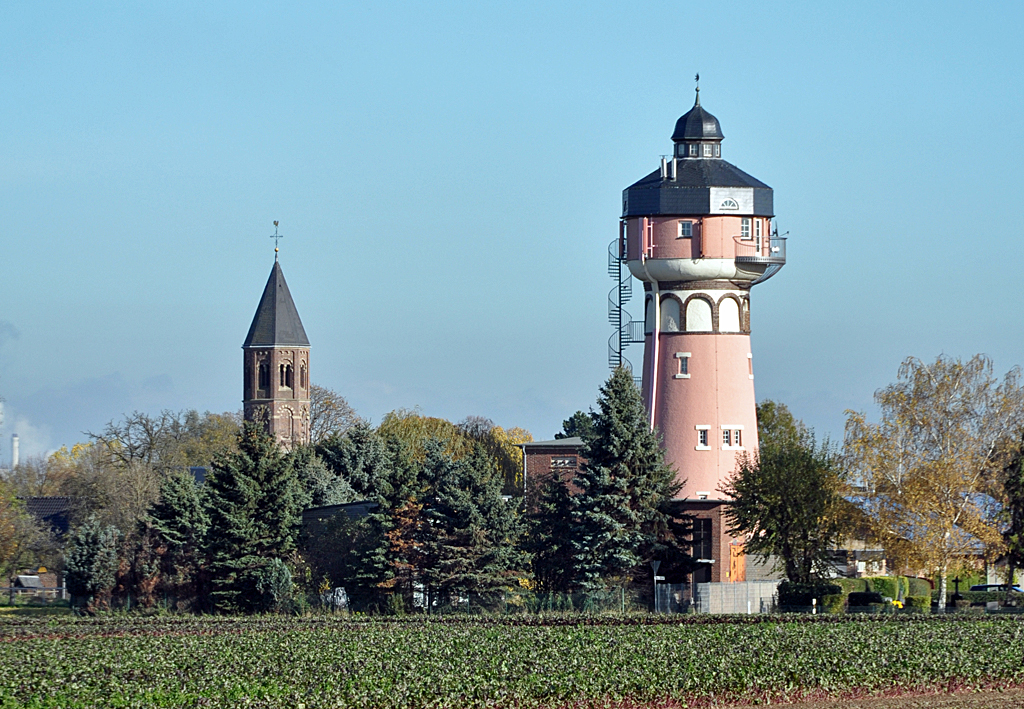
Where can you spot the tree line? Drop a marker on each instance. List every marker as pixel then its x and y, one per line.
pixel 446 522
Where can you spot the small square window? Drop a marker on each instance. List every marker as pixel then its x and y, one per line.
pixel 726 438
pixel 693 150
pixel 685 230
pixel 708 150
pixel 745 228
pixel 702 437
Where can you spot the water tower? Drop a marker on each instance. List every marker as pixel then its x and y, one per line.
pixel 698 233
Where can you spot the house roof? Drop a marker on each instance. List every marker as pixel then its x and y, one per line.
pixel 354 510
pixel 276 322
pixel 574 442
pixel 52 511
pixel 29 582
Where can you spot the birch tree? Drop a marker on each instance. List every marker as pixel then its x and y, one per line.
pixel 927 474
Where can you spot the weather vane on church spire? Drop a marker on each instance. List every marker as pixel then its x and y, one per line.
pixel 696 80
pixel 275 236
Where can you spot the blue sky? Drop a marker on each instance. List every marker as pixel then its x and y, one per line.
pixel 448 177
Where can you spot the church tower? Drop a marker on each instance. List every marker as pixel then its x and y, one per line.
pixel 276 366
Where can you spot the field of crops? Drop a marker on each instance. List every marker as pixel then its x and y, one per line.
pixel 499 662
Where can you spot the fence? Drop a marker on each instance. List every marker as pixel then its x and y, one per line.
pixel 47 593
pixel 748 597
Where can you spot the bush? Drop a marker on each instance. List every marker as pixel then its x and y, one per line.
pixel 851 585
pixel 91 565
pixel 800 595
pixel 274 586
pixel 864 599
pixel 833 603
pixel 918 587
pixel 918 604
pixel 884 585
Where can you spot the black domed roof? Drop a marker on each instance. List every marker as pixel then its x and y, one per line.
pixel 697 124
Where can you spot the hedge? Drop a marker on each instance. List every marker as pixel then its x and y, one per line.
pixel 833 603
pixel 918 603
pixel 918 587
pixel 800 595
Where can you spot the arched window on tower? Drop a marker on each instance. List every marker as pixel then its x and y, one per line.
pixel 698 315
pixel 669 315
pixel 302 375
pixel 728 316
pixel 286 376
pixel 264 382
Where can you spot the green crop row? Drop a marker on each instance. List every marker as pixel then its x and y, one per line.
pixel 457 663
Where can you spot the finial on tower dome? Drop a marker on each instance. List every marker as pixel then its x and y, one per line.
pixel 275 236
pixel 697 81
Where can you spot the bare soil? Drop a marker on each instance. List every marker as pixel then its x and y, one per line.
pixel 990 699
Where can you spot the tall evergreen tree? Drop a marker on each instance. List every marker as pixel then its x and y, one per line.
pixel 91 563
pixel 254 505
pixel 471 533
pixel 321 485
pixel 177 526
pixel 368 556
pixel 578 425
pixel 625 488
pixel 549 540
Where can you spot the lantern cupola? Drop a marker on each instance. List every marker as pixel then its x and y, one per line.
pixel 698 134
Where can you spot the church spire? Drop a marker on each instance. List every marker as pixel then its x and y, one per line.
pixel 277 322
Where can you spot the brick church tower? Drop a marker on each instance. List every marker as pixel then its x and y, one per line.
pixel 276 365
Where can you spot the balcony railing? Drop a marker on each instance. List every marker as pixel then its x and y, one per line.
pixel 772 252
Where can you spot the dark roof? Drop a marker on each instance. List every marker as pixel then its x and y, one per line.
pixel 354 510
pixel 276 321
pixel 697 124
pixel 690 192
pixel 51 511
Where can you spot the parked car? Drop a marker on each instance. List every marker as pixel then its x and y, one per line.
pixel 995 588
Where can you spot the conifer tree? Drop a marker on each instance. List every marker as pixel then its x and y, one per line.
pixel 177 526
pixel 91 563
pixel 471 533
pixel 549 540
pixel 254 505
pixel 368 556
pixel 625 488
pixel 321 485
pixel 579 424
